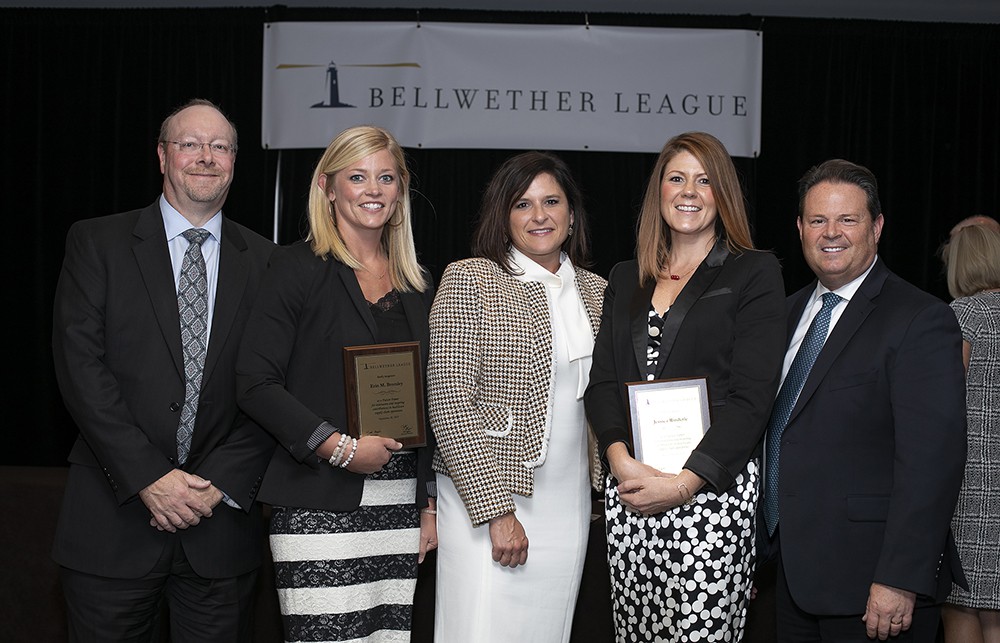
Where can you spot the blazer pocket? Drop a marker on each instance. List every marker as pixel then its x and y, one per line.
pixel 497 421
pixel 718 291
pixel 867 508
pixel 865 378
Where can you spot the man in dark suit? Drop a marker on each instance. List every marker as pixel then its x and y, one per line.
pixel 866 445
pixel 149 312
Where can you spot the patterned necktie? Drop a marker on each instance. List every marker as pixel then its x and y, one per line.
pixel 811 345
pixel 192 304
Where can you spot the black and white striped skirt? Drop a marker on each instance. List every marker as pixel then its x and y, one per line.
pixel 350 576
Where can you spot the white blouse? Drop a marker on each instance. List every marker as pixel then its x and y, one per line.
pixel 567 315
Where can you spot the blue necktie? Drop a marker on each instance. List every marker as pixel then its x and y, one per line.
pixel 192 304
pixel 811 345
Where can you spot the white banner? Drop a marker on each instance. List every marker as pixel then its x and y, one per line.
pixel 557 87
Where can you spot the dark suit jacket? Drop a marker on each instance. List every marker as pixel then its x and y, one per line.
pixel 118 359
pixel 873 454
pixel 725 325
pixel 290 372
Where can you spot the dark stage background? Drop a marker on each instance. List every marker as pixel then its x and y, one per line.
pixel 84 91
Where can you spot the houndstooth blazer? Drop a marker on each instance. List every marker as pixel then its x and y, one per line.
pixel 489 375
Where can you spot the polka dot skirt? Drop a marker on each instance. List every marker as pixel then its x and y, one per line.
pixel 683 575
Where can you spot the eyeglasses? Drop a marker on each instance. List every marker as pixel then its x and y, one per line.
pixel 193 147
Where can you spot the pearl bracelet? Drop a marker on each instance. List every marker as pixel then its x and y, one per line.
pixel 354 449
pixel 338 451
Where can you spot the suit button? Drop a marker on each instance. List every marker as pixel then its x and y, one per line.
pixel 174 406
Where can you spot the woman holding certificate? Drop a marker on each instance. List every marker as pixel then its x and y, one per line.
pixel 512 332
pixel 697 302
pixel 351 516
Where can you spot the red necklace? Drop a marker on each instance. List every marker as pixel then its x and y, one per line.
pixel 678 277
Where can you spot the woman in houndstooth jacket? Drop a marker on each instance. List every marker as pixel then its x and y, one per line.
pixel 512 333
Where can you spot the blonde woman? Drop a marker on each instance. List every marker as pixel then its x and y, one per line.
pixel 973 261
pixel 351 517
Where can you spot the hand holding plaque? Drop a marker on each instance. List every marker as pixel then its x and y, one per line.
pixel 385 393
pixel 669 419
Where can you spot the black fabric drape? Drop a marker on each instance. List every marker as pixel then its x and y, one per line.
pixel 84 92
pixel 917 103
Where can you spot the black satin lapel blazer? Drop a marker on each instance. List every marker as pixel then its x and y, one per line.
pixel 727 325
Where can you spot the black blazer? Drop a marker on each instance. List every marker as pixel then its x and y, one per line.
pixel 118 359
pixel 726 325
pixel 290 372
pixel 873 454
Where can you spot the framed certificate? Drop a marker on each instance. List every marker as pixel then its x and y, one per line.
pixel 669 418
pixel 385 393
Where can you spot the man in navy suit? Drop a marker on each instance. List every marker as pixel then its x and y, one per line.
pixel 862 477
pixel 149 515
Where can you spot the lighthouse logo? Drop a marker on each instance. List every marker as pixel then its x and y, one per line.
pixel 331 93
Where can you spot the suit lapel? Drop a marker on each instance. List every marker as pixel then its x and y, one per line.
pixel 153 259
pixel 233 275
pixel 416 318
pixel 638 313
pixel 357 297
pixel 702 278
pixel 415 310
pixel 858 309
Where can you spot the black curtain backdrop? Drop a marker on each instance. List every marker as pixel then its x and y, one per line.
pixel 84 92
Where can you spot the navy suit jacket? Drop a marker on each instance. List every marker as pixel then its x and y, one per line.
pixel 118 359
pixel 874 450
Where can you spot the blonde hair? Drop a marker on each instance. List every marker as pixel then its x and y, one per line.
pixel 350 146
pixel 653 235
pixel 972 258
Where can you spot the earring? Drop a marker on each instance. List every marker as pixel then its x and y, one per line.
pixel 570 233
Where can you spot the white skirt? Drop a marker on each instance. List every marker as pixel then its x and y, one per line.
pixel 479 600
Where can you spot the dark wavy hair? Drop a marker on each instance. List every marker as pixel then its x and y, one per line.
pixel 491 238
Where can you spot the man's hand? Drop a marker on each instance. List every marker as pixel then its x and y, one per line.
pixel 179 500
pixel 889 611
pixel 510 544
pixel 211 495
